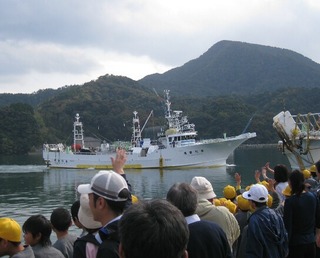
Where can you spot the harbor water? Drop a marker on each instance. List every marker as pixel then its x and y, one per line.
pixel 29 188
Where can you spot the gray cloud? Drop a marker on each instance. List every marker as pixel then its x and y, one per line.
pixel 73 41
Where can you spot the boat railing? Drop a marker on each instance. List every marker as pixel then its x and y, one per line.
pixel 308 124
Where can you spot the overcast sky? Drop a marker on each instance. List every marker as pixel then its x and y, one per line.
pixel 54 43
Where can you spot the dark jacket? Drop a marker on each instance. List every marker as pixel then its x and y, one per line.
pixel 79 248
pixel 301 217
pixel 207 240
pixel 266 235
pixel 110 241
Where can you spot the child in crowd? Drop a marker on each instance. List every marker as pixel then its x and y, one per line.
pixel 86 246
pixel 74 215
pixel 37 231
pixel 61 221
pixel 10 240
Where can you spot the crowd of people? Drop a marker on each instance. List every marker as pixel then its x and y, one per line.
pixel 276 217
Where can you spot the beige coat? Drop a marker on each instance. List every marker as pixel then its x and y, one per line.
pixel 222 216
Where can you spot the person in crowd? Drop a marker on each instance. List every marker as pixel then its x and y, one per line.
pixel 269 183
pixel 74 215
pixel 61 221
pixel 313 170
pixel 10 240
pixel 301 218
pixel 266 235
pixel 280 173
pixel 242 215
pixel 206 209
pixel 87 245
pixel 109 195
pixel 37 231
pixel 154 229
pixel 229 192
pixel 309 182
pixel 206 239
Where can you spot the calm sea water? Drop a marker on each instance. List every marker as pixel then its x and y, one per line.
pixel 29 188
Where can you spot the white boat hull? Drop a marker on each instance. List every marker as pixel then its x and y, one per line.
pixel 209 153
pixel 304 160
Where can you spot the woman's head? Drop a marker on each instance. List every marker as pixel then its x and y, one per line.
pixel 296 181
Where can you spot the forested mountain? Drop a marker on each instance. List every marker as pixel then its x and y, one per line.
pixel 230 67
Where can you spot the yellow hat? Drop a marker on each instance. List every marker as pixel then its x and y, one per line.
pixel 134 198
pixel 306 173
pixel 229 192
pixel 222 200
pixel 265 183
pixel 232 207
pixel 313 168
pixel 217 202
pixel 248 187
pixel 287 191
pixel 243 203
pixel 270 200
pixel 10 230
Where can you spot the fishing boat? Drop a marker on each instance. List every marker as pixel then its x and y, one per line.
pixel 175 147
pixel 299 138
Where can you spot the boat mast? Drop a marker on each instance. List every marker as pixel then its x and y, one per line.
pixel 136 132
pixel 78 132
pixel 173 119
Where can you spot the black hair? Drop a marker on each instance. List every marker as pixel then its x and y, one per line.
pixel 75 209
pixel 259 204
pixel 154 229
pixel 318 166
pixel 60 219
pixel 184 197
pixel 296 179
pixel 38 225
pixel 281 173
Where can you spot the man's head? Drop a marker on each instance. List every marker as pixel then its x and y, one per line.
pixel 258 194
pixel 107 189
pixel 10 236
pixel 153 229
pixel 184 197
pixel 203 187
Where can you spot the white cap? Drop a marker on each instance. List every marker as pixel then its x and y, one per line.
pixel 203 187
pixel 107 184
pixel 257 193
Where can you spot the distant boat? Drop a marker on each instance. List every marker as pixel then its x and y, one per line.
pixel 175 147
pixel 299 138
